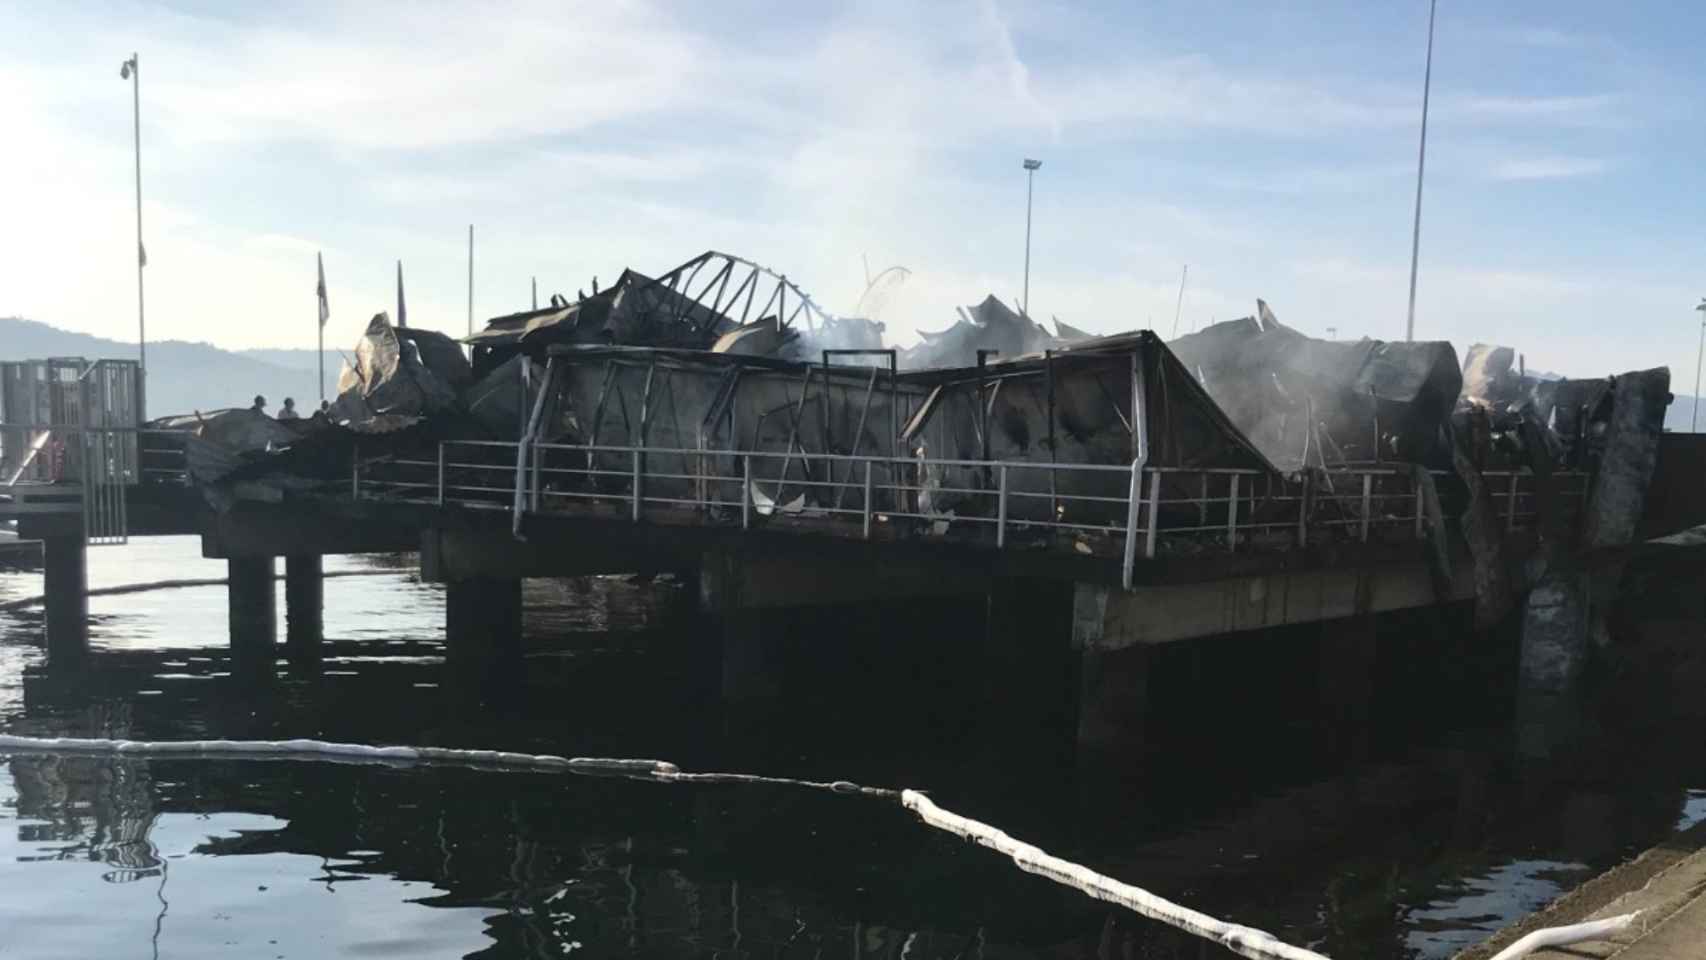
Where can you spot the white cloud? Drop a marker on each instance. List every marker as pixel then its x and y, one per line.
pixel 1599 109
pixel 1547 168
pixel 583 140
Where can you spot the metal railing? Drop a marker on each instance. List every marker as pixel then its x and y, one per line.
pixel 1108 510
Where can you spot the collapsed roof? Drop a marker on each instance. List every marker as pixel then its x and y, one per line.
pixel 715 301
pixel 1305 401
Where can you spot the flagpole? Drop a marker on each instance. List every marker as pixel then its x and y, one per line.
pixel 132 70
pixel 1421 163
pixel 321 313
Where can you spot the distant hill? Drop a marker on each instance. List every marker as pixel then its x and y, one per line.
pixel 182 376
pixel 299 360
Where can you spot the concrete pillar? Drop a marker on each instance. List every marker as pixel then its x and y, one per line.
pixel 1554 656
pixel 482 622
pixel 1027 657
pixel 252 596
pixel 65 572
pixel 1346 678
pixel 751 664
pixel 751 671
pixel 304 607
pixel 1113 696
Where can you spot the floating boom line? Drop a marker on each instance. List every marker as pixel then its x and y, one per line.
pixel 1247 941
pixel 1244 941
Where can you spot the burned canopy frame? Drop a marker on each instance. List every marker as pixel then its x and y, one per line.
pixel 1075 405
pixel 714 407
pixel 1080 401
pixel 708 289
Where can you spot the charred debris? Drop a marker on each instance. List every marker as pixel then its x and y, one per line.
pixel 721 354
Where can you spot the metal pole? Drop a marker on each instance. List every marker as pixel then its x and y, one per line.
pixel 470 279
pixel 1694 415
pixel 1154 514
pixel 1367 505
pixel 1421 160
pixel 1232 515
pixel 1030 181
pixel 141 258
pixel 746 491
pixel 1179 308
pixel 867 511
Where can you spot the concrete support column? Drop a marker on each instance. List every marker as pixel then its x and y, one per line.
pixel 1113 696
pixel 252 594
pixel 482 622
pixel 1346 679
pixel 1027 657
pixel 751 667
pixel 65 572
pixel 1554 656
pixel 304 607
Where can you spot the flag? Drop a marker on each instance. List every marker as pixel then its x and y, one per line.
pixel 325 308
pixel 402 311
pixel 141 254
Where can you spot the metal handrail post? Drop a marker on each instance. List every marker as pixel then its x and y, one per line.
pixel 1303 512
pixel 1232 515
pixel 1419 510
pixel 355 473
pixel 1134 503
pixel 746 491
pixel 1001 509
pixel 441 473
pixel 867 498
pixel 1367 500
pixel 1154 515
pixel 636 485
pixel 1510 504
pixel 538 469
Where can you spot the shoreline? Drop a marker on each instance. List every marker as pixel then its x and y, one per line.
pixel 1661 882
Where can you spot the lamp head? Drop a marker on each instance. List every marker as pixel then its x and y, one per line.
pixel 125 68
pixel 1032 164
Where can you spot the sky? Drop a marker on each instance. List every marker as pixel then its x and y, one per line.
pixel 1271 147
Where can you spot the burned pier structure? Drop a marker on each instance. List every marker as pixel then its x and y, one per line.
pixel 1119 490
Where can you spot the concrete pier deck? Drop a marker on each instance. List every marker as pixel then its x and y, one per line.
pixel 1667 884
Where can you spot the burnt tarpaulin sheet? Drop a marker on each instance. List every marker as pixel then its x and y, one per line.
pixel 1323 402
pixel 1074 406
pixel 502 399
pixel 990 326
pixel 406 375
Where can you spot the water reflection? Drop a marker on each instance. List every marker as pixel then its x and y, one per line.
pixel 1432 840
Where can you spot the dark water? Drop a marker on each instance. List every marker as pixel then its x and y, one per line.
pixel 1414 845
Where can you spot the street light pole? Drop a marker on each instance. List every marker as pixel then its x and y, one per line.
pixel 1421 162
pixel 132 70
pixel 1030 179
pixel 1694 415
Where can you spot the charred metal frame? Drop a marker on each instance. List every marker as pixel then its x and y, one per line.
pixel 714 296
pixel 865 410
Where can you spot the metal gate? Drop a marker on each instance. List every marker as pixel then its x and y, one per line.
pixel 110 461
pixel 67 421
